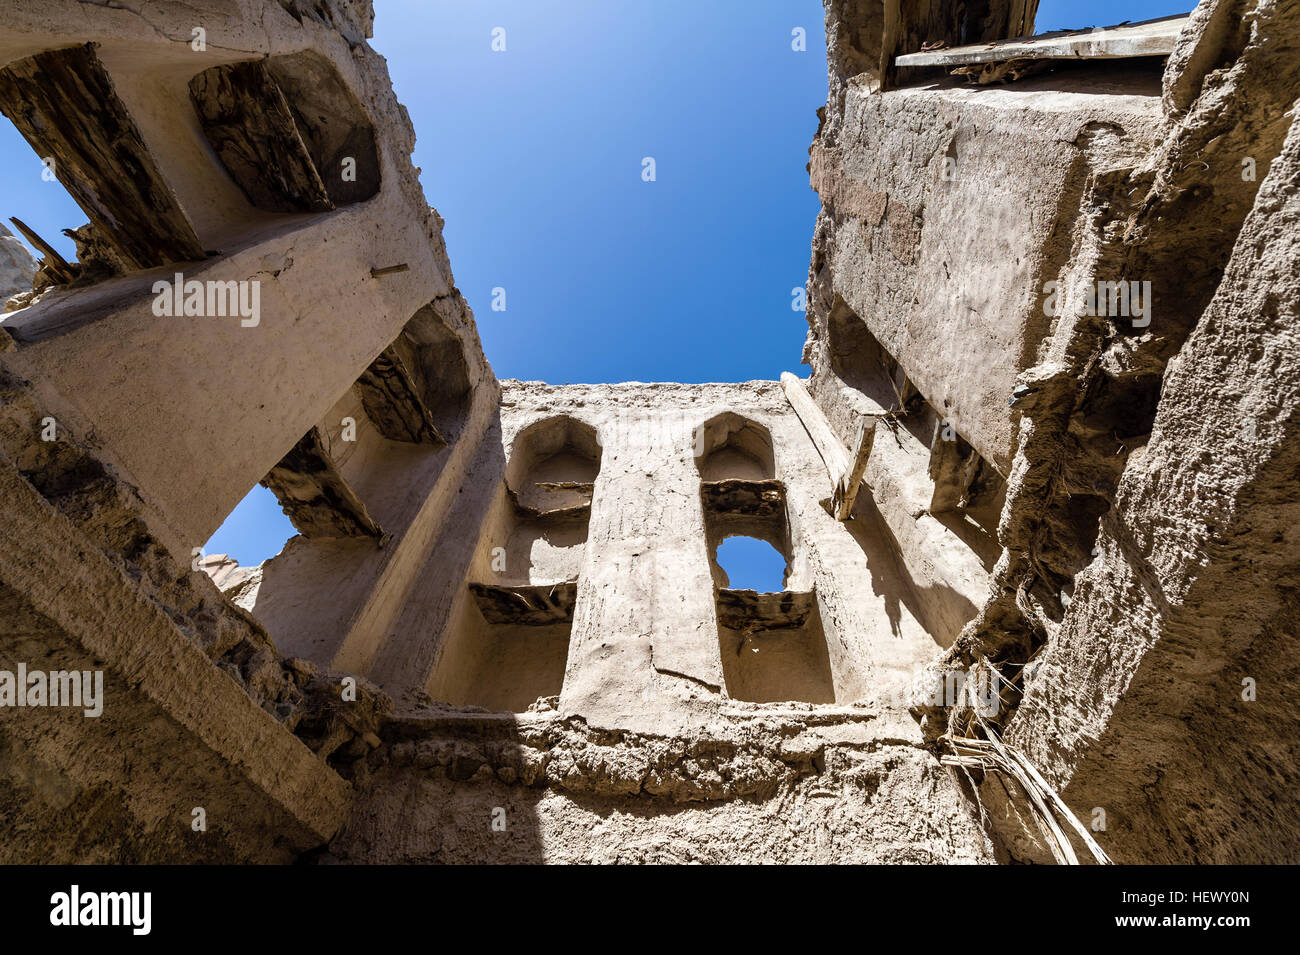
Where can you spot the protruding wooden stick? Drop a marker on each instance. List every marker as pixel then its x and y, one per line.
pixel 53 261
pixel 845 472
pixel 846 490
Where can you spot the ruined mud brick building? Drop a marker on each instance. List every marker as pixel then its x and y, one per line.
pixel 501 634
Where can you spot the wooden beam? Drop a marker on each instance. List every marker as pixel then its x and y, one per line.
pixel 314 494
pixel 1149 38
pixel 750 612
pixel 64 104
pixel 526 605
pixel 392 401
pixel 846 489
pixel 845 471
pixel 54 263
pixel 249 123
pixel 743 498
pixel 828 446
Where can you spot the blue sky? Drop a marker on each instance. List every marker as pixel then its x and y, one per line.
pixel 534 157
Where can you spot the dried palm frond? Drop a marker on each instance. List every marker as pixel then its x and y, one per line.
pixel 991 754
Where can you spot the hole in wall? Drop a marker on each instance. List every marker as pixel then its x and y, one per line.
pixel 333 124
pixel 748 563
pixel 46 245
pixel 254 532
pixel 42 202
pixel 418 389
pixel 771 640
pixel 65 104
pixel 553 467
pixel 739 493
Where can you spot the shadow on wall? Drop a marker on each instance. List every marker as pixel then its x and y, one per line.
pixel 940 609
pixel 942 500
pixel 476 802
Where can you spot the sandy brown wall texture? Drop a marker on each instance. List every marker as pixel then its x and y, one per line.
pixel 502 633
pixel 1143 598
pixel 127 435
pixel 674 719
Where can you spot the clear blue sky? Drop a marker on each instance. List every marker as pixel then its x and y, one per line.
pixel 534 157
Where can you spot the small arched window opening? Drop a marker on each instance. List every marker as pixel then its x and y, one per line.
pixel 770 636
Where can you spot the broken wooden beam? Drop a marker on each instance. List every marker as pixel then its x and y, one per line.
pixel 252 128
pixel 751 611
pixel 54 263
pixel 828 446
pixel 64 104
pixel 1148 38
pixel 737 496
pixel 526 605
pixel 566 512
pixel 846 472
pixel 582 487
pixel 314 494
pixel 846 489
pixel 392 401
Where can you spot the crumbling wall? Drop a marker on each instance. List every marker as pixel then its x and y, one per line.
pixel 549 665
pixel 1164 697
pixel 1120 506
pixel 643 728
pixel 232 392
pixel 773 784
pixel 864 36
pixel 117 464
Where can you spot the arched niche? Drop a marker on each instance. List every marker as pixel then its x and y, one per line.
pixel 509 644
pixel 553 465
pixel 729 446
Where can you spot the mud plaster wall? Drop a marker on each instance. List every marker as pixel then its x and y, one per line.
pixel 1147 468
pixel 272 381
pixel 613 737
pixel 1138 707
pixel 945 210
pixel 644 647
pixel 643 756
